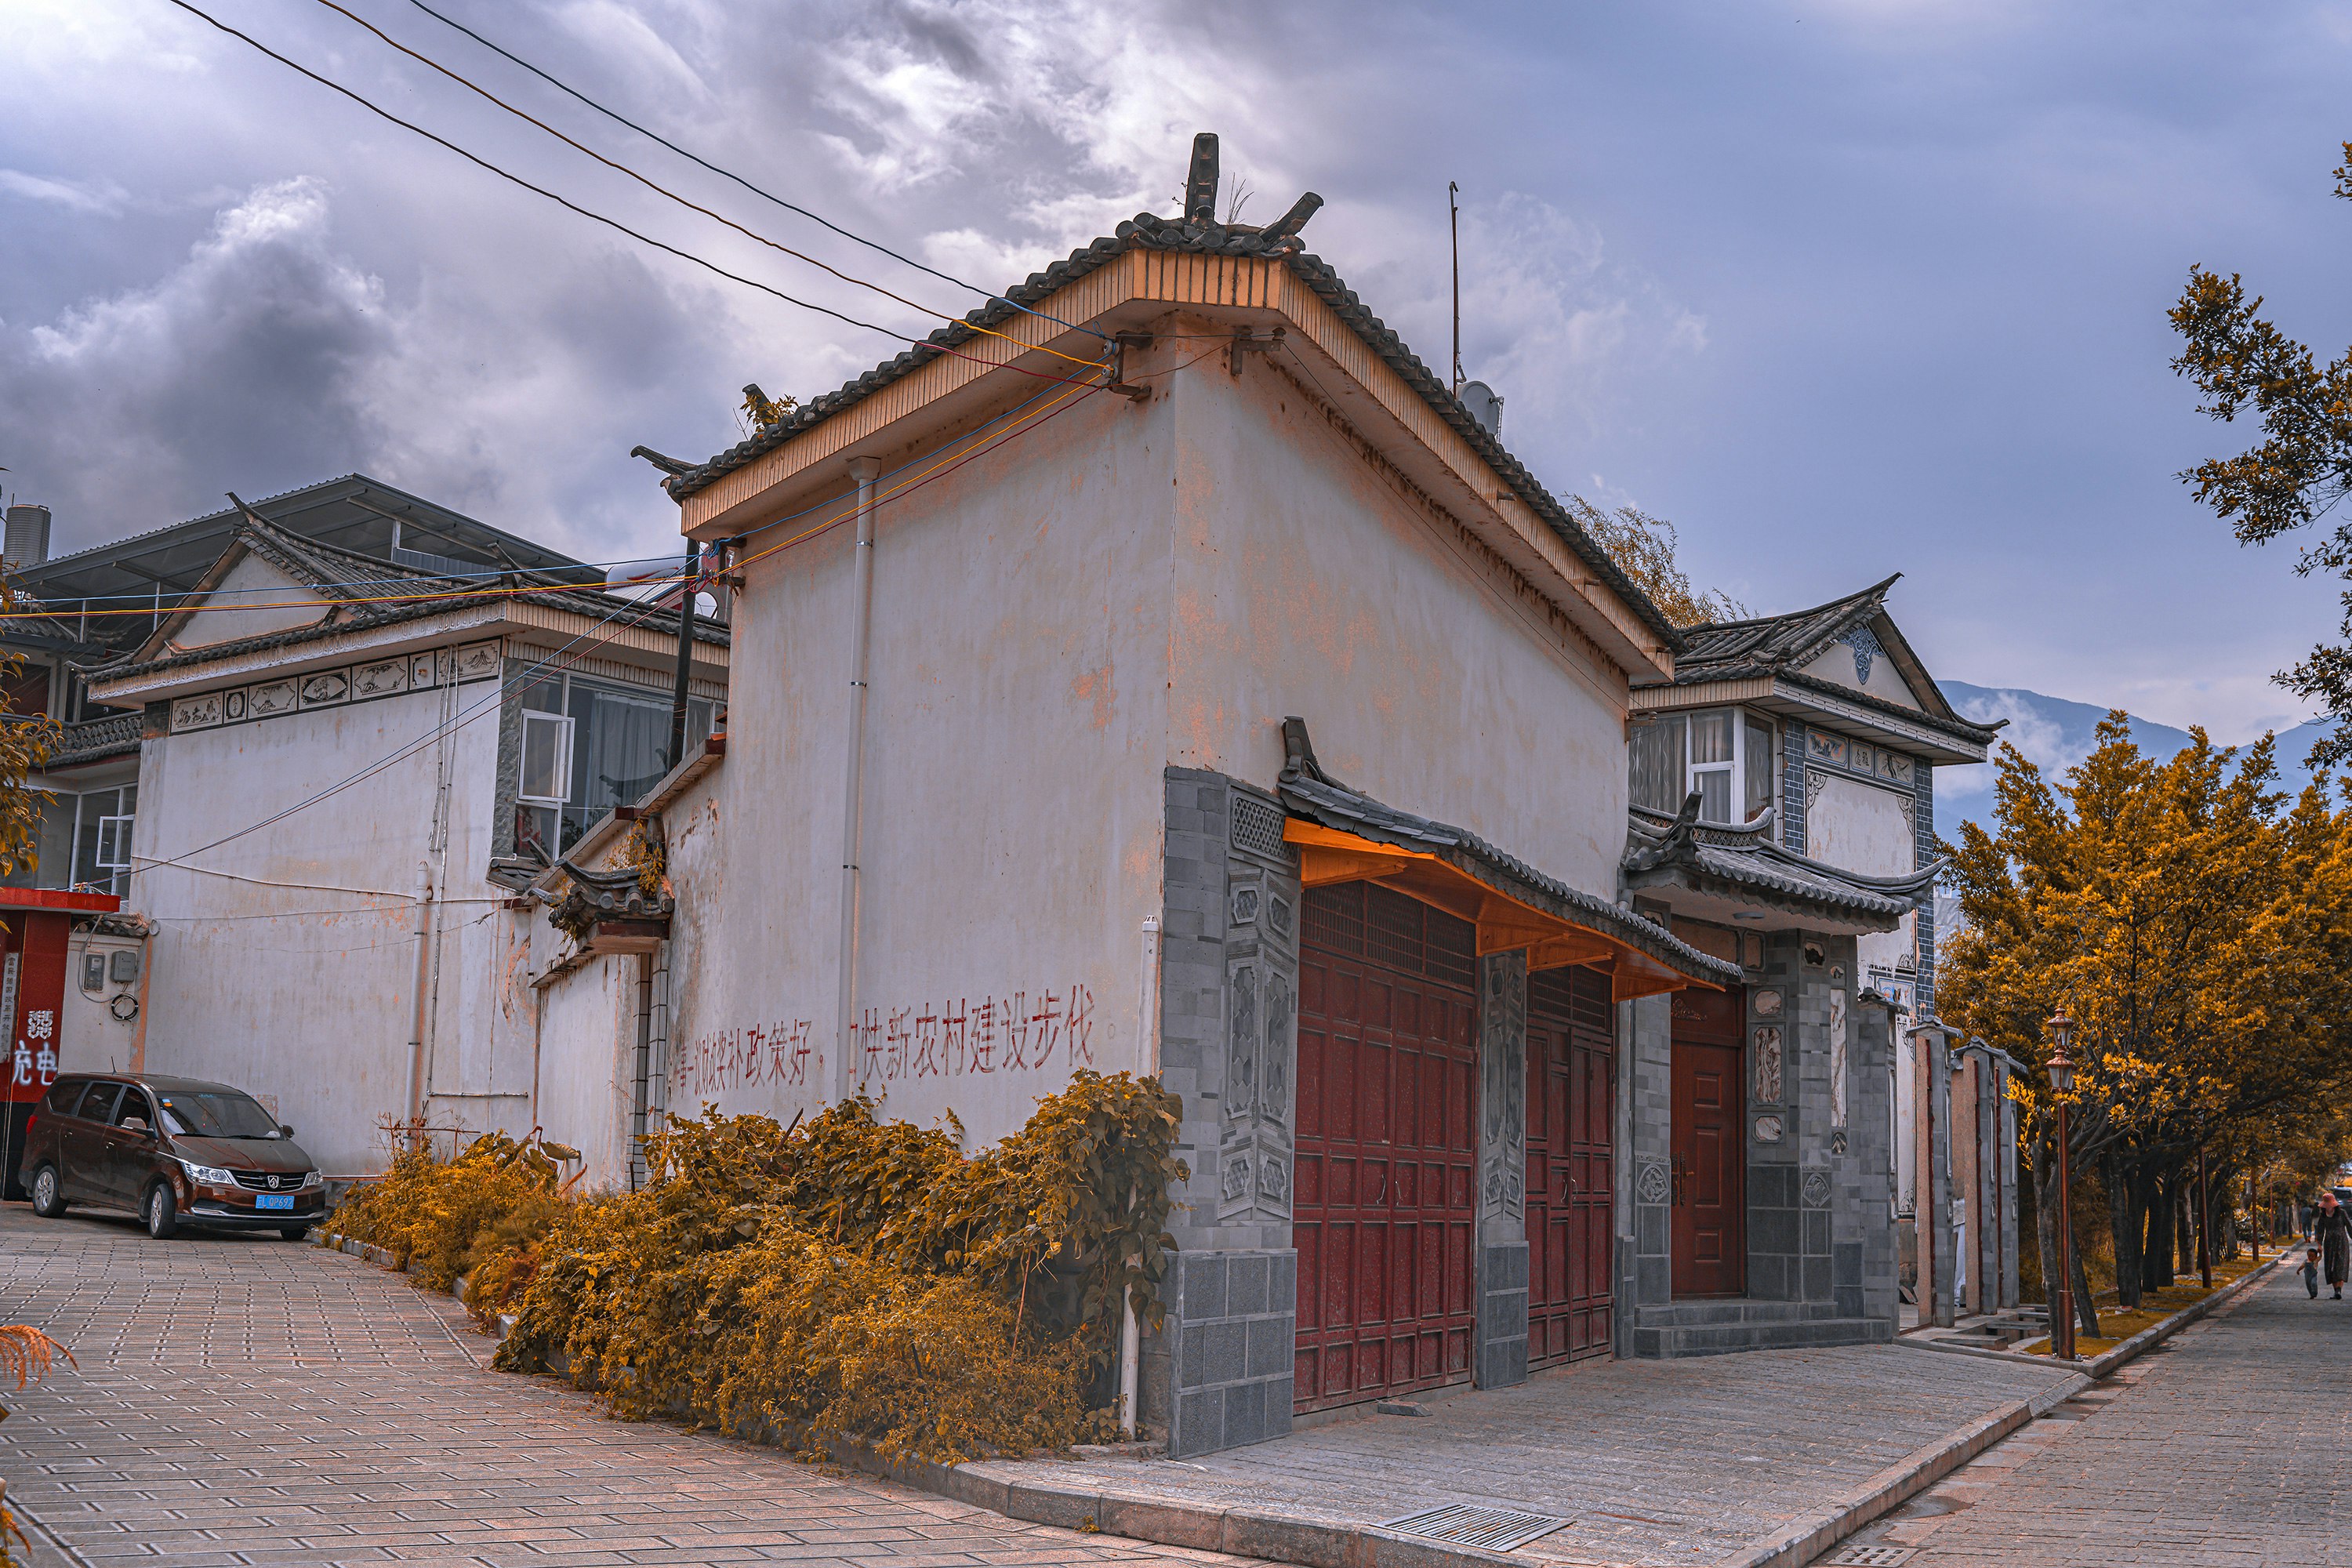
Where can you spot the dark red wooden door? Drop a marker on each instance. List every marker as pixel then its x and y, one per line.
pixel 1709 1239
pixel 1572 1123
pixel 1385 1193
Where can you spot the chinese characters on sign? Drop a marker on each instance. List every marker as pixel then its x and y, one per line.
pixel 34 1062
pixel 1019 1033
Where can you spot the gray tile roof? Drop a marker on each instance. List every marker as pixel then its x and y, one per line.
pixel 95 740
pixel 1149 232
pixel 327 569
pixel 1307 791
pixel 1780 647
pixel 1678 851
pixel 360 514
pixel 615 895
pixel 1717 649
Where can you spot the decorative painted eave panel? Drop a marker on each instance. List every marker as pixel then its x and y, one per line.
pixel 325 648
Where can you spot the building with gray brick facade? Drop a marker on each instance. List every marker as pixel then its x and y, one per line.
pixel 1783 819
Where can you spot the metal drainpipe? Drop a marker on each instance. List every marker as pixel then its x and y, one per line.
pixel 852 811
pixel 423 979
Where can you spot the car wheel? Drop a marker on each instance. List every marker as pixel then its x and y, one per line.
pixel 163 1212
pixel 295 1232
pixel 48 1198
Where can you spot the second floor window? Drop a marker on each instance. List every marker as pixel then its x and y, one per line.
pixel 1727 754
pixel 587 748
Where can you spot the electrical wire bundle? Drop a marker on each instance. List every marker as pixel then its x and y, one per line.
pixel 1074 381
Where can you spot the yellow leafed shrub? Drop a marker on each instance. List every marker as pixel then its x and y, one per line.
pixel 428 1212
pixel 843 1275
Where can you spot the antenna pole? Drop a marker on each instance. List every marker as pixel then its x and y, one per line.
pixel 1454 221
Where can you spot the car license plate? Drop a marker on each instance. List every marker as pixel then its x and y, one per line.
pixel 273 1200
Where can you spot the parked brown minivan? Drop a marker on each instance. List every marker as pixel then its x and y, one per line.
pixel 172 1150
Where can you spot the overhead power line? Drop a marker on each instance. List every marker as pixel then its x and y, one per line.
pixel 614 223
pixel 664 191
pixel 562 86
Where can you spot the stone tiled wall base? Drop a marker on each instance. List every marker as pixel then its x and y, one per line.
pixel 1230 1334
pixel 1501 1353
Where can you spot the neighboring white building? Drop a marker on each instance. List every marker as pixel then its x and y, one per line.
pixel 1784 818
pixel 340 750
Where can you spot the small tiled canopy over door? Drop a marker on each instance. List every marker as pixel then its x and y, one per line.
pixel 1385 1193
pixel 1571 1071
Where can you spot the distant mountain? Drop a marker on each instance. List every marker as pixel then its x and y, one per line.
pixel 2057 735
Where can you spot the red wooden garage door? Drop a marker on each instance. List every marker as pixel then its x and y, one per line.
pixel 1386 1153
pixel 1572 1107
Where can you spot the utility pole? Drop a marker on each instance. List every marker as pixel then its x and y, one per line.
pixel 1453 221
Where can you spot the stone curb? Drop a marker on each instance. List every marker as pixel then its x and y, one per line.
pixel 1243 1531
pixel 1814 1533
pixel 360 1250
pixel 2147 1339
pixel 2103 1366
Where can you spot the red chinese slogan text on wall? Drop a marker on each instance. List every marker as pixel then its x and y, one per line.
pixel 1019 1033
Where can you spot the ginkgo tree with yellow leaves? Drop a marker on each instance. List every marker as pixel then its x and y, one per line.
pixel 2195 923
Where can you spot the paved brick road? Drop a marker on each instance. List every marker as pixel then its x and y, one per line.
pixel 2227 1446
pixel 247 1402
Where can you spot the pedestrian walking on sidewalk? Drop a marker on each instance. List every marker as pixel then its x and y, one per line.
pixel 2331 1231
pixel 2310 1272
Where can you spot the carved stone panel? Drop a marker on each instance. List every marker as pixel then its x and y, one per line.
pixel 1261 1027
pixel 1765 1055
pixel 1503 1096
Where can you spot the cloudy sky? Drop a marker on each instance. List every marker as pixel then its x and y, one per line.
pixel 1844 289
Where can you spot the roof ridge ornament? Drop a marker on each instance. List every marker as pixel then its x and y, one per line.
pixel 1201 181
pixel 1299 756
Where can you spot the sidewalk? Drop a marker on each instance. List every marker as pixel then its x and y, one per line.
pixel 1695 1461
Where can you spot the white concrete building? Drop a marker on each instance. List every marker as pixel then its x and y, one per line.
pixel 1056 641
pixel 345 762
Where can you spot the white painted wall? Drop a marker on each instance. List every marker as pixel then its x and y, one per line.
pixel 89 1037
pixel 287 965
pixel 1861 827
pixel 1305 584
pixel 1837 663
pixel 587 1082
pixel 1123 589
pixel 268 601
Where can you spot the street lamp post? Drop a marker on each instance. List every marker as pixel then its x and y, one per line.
pixel 2062 1083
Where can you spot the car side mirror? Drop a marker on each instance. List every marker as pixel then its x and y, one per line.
pixel 286 1129
pixel 136 1124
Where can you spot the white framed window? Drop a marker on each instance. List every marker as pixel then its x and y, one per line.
pixel 1726 754
pixel 546 759
pixel 114 843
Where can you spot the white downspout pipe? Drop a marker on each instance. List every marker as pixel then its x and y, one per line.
pixel 853 809
pixel 1130 1354
pixel 423 990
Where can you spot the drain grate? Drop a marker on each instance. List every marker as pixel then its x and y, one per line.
pixel 1870 1557
pixel 1496 1529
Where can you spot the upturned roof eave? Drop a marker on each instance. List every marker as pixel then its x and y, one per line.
pixel 1837 916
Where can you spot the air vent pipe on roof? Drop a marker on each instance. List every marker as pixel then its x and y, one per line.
pixel 27 542
pixel 1485 406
